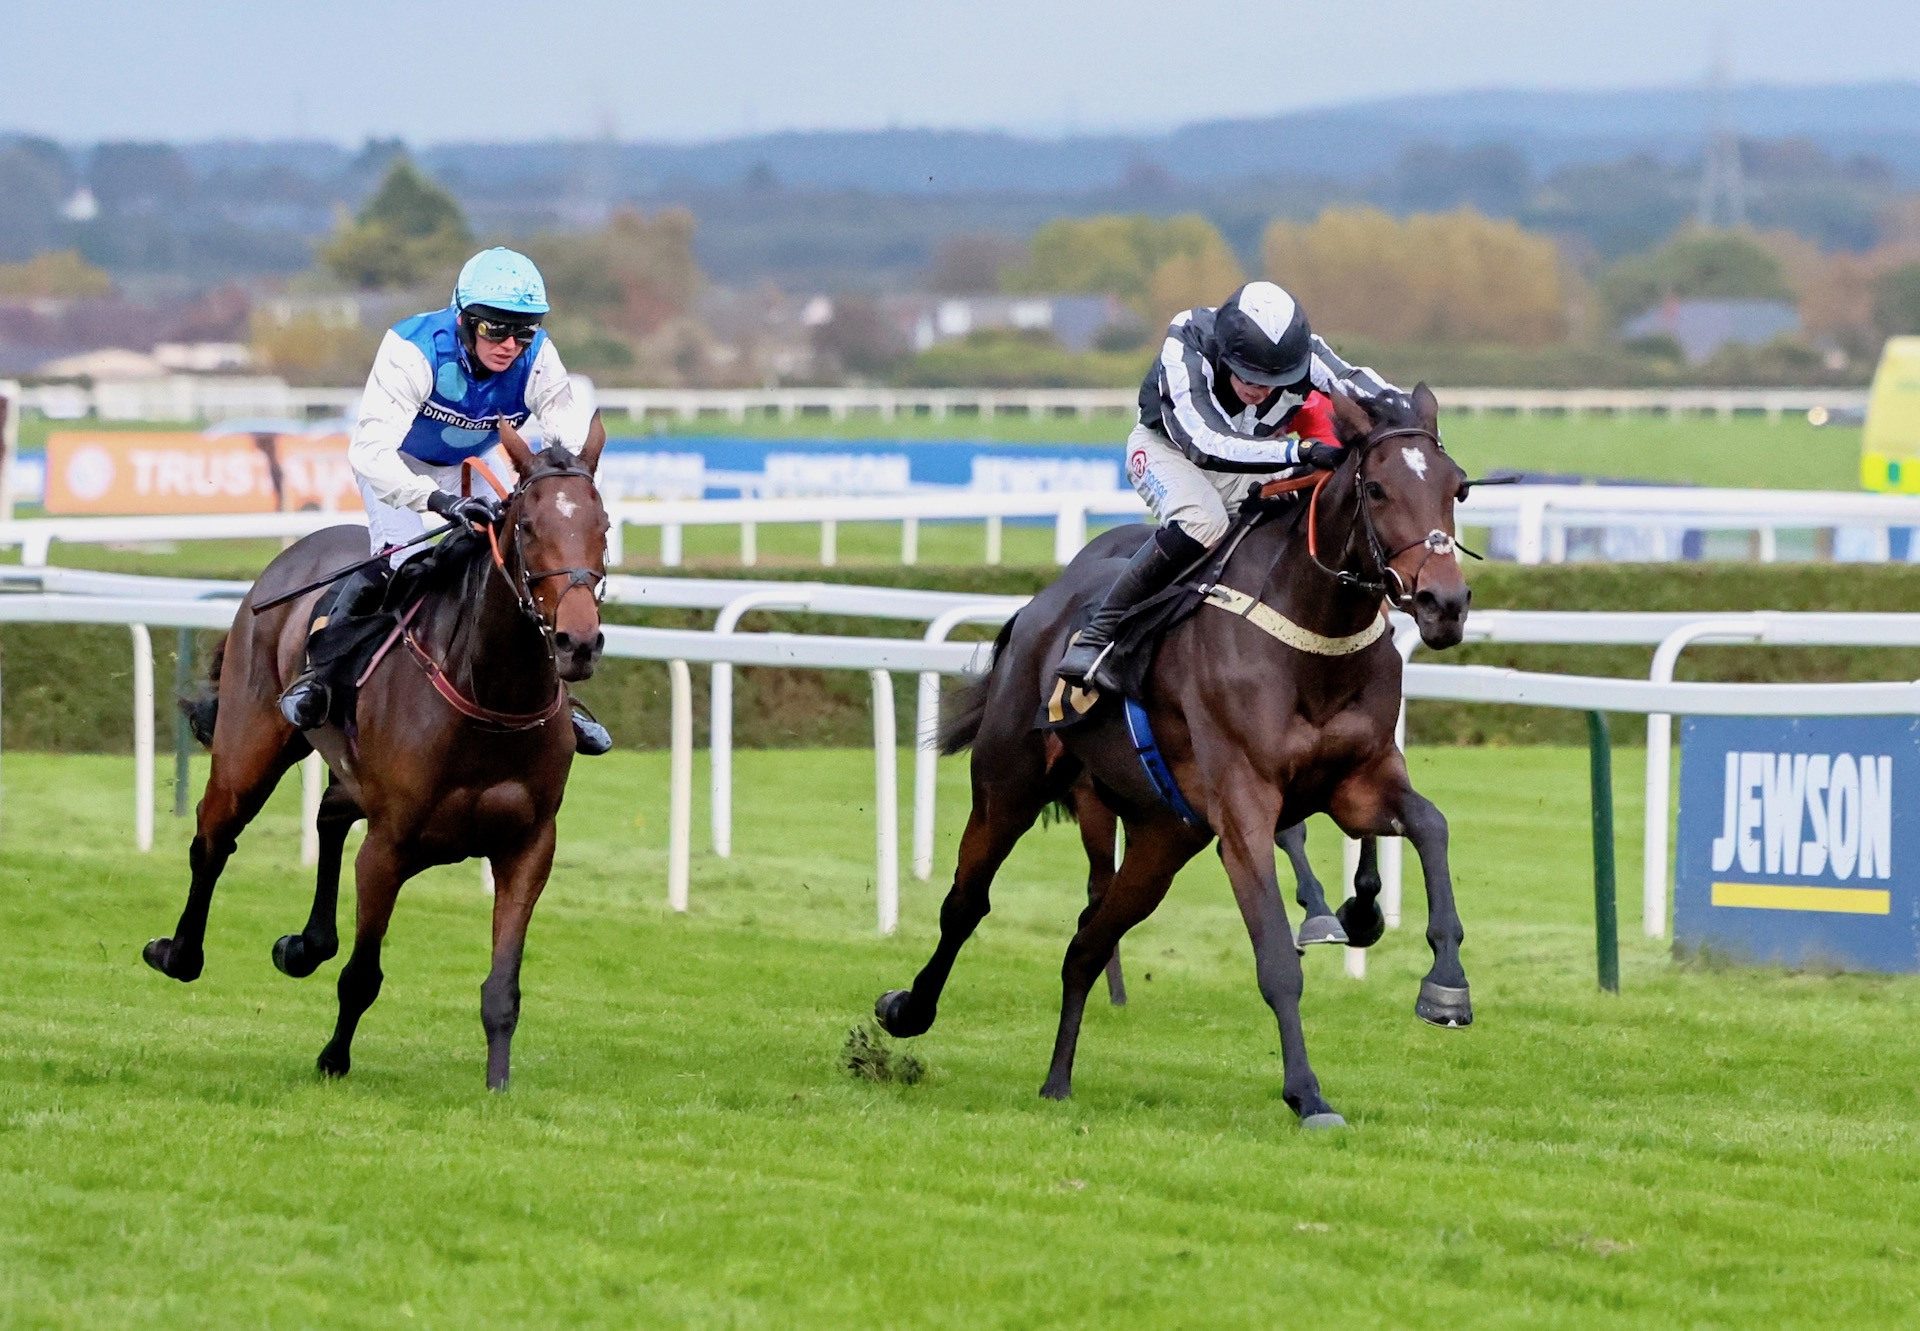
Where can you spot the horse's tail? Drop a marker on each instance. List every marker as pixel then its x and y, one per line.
pixel 201 708
pixel 969 701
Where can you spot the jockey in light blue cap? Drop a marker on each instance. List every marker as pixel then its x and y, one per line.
pixel 440 383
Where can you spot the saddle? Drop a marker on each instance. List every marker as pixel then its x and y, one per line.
pixel 342 649
pixel 1137 639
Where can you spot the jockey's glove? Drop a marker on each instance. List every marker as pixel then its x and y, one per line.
pixel 469 511
pixel 1323 456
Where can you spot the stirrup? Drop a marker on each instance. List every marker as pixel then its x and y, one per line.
pixel 1079 676
pixel 590 738
pixel 306 703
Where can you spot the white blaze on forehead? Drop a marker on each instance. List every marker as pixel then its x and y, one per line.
pixel 566 506
pixel 1268 306
pixel 1415 460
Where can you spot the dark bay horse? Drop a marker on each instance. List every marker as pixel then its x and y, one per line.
pixel 461 738
pixel 1275 701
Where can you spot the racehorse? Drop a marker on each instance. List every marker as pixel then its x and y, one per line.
pixel 458 745
pixel 1281 707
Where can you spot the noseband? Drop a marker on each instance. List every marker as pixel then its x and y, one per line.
pixel 1397 589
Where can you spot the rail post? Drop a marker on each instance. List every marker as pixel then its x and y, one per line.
pixel 1606 921
pixel 182 733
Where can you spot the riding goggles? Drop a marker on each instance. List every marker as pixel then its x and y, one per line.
pixel 499 331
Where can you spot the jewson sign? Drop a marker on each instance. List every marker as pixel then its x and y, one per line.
pixel 1800 840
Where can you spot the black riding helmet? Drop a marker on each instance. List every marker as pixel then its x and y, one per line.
pixel 1261 334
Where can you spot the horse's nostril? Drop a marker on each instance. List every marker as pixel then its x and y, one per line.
pixel 599 642
pixel 562 640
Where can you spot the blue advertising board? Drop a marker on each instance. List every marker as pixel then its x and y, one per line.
pixel 1799 841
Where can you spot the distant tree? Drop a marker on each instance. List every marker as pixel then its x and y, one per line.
pixel 1123 255
pixel 631 277
pixel 1696 264
pixel 31 193
pixel 55 273
pixel 1433 276
pixel 972 264
pixel 860 337
pixel 1492 178
pixel 1896 301
pixel 139 177
pixel 410 232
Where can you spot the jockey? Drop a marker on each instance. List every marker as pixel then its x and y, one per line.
pixel 440 381
pixel 1229 384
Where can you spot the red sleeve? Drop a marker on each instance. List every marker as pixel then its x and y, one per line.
pixel 1313 419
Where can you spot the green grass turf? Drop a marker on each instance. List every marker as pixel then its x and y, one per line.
pixel 1711 1147
pixel 1745 451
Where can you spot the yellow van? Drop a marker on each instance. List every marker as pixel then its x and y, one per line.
pixel 1890 445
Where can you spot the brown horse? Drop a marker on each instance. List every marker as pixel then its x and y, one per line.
pixel 460 743
pixel 1280 708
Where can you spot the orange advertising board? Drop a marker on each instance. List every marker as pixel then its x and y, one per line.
pixel 116 472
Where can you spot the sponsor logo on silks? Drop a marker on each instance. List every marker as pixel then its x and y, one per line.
pixel 1806 815
pixel 1137 464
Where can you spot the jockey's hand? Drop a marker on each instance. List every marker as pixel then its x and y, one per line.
pixel 1323 456
pixel 469 511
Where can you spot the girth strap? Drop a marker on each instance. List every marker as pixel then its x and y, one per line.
pixel 1269 620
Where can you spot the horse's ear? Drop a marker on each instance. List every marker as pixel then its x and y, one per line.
pixel 1426 407
pixel 1350 419
pixel 517 451
pixel 596 440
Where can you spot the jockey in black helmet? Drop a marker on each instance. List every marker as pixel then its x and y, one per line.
pixel 1237 394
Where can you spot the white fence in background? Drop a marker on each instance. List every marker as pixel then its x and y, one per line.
pixel 1536 518
pixel 110 602
pixel 218 397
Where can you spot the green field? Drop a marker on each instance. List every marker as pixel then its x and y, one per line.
pixel 1787 454
pixel 1710 1147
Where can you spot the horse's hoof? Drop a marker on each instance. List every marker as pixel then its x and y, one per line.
pixel 1323 1120
pixel 891 1011
pixel 331 1064
pixel 1362 929
pixel 1064 1091
pixel 1319 929
pixel 1444 1005
pixel 172 961
pixel 292 956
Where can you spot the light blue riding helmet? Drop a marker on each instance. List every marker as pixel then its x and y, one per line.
pixel 503 279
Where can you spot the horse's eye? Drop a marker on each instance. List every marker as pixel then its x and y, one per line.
pixel 1376 491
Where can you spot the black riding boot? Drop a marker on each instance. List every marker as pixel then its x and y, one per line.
pixel 1153 568
pixel 307 701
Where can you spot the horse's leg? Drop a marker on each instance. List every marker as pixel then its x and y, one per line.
pixel 1246 839
pixel 245 771
pixel 1444 997
pixel 299 955
pixel 1319 924
pixel 1381 799
pixel 1154 855
pixel 1360 914
pixel 518 879
pixel 1003 809
pixel 379 870
pixel 1098 830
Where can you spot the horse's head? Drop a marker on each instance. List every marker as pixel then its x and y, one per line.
pixel 553 545
pixel 1405 490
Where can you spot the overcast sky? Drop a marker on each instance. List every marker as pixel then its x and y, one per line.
pixel 345 69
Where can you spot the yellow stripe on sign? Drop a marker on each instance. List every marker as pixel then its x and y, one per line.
pixel 1829 900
